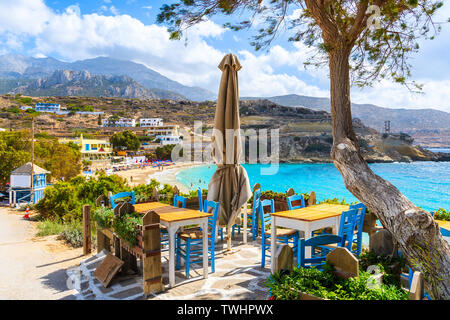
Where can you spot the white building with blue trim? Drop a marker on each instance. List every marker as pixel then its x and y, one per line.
pixel 47 107
pixel 20 184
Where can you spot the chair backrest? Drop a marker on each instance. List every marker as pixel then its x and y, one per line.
pixel 316 241
pixel 445 232
pixel 265 217
pixel 200 199
pixel 296 201
pixel 177 199
pixel 360 216
pixel 347 227
pixel 256 200
pixel 121 195
pixel 211 207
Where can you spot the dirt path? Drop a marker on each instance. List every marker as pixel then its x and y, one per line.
pixel 33 267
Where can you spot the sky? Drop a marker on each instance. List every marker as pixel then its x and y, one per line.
pixel 126 29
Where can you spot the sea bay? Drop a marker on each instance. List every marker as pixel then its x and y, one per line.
pixel 426 184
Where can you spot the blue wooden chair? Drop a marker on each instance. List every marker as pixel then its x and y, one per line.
pixel 296 201
pixel 359 225
pixel 283 235
pixel 192 249
pixel 120 195
pixel 318 241
pixel 200 199
pixel 255 212
pixel 346 231
pixel 179 200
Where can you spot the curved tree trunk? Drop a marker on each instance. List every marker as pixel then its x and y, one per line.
pixel 414 229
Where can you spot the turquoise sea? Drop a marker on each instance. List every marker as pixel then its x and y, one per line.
pixel 426 184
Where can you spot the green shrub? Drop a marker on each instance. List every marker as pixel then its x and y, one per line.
pixel 442 214
pixel 325 284
pixel 320 147
pixel 73 234
pixel 126 228
pixel 104 217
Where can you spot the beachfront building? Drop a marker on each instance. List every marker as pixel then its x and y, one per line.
pixel 20 191
pixel 92 149
pixel 166 130
pixel 169 139
pixel 47 107
pixel 120 122
pixel 151 122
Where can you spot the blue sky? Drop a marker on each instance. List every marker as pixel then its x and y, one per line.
pixel 126 29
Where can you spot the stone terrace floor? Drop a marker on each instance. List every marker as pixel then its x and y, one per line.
pixel 238 276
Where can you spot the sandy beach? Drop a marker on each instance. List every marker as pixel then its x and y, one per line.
pixel 167 175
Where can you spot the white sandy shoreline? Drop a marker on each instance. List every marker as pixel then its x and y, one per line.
pixel 169 175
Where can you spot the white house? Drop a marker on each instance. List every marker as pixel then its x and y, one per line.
pixel 24 108
pixel 47 107
pixel 121 122
pixel 151 122
pixel 169 139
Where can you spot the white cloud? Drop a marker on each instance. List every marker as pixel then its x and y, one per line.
pixel 74 36
pixel 435 95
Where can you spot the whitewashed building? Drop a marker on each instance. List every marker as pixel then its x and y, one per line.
pixel 121 122
pixel 151 122
pixel 47 107
pixel 169 139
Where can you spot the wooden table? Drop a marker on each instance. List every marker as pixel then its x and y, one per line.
pixel 173 218
pixel 307 220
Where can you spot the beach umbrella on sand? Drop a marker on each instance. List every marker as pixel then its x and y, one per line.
pixel 229 185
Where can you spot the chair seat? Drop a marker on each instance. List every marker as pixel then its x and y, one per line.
pixel 333 245
pixel 282 232
pixel 191 234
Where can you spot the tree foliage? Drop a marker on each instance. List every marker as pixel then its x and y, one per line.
pixel 380 35
pixel 63 161
pixel 125 139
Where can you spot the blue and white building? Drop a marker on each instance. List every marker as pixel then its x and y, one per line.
pixel 20 184
pixel 47 107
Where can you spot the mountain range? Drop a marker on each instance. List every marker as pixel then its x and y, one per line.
pixel 21 69
pixel 82 83
pixel 108 77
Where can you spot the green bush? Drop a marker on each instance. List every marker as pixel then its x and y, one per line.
pixel 104 217
pixel 126 228
pixel 442 214
pixel 325 284
pixel 73 234
pixel 64 200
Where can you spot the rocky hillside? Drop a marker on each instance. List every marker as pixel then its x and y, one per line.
pixel 411 121
pixel 82 83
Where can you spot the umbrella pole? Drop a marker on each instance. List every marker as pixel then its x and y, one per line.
pixel 228 238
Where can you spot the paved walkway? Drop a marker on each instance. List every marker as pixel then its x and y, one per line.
pixel 31 267
pixel 46 268
pixel 238 276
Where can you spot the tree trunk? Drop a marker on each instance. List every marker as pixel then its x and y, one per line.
pixel 414 229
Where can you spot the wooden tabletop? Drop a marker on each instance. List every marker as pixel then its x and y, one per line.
pixel 313 213
pixel 170 213
pixel 444 224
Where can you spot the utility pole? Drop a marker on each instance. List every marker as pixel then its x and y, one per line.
pixel 32 158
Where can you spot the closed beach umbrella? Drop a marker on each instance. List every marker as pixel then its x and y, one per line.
pixel 229 185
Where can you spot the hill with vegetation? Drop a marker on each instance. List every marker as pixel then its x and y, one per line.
pixel 305 134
